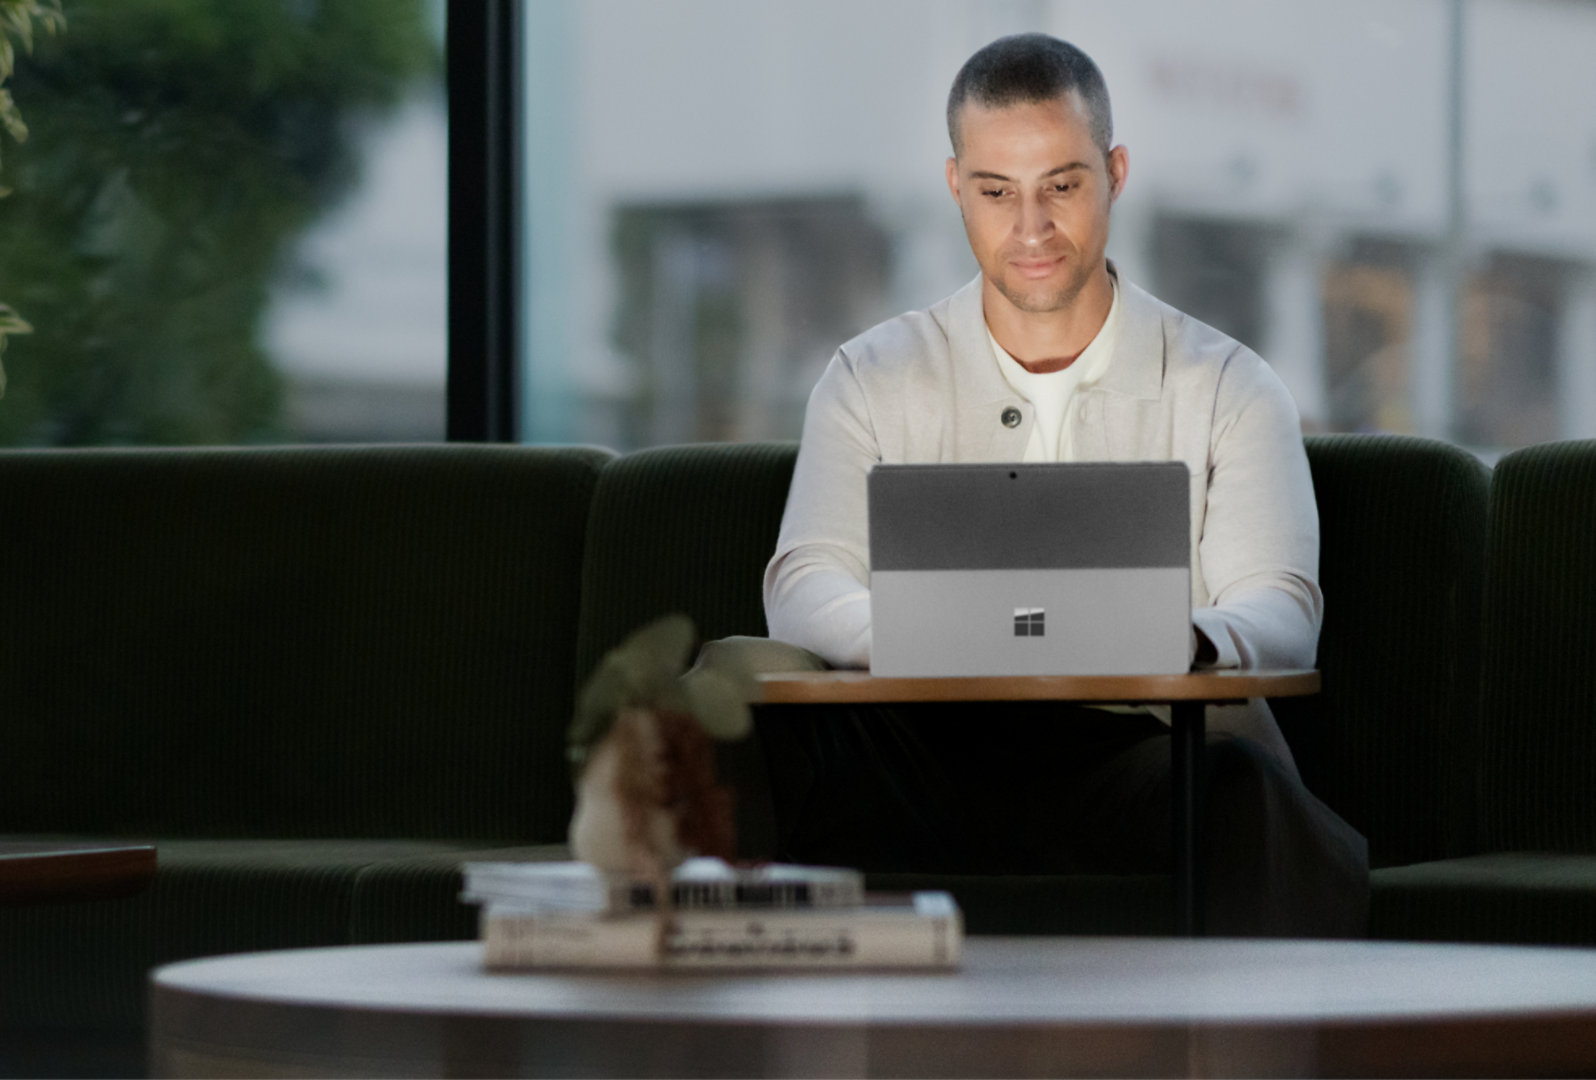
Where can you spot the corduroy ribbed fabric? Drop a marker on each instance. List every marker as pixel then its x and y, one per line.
pixel 1524 898
pixel 83 966
pixel 1389 743
pixel 1539 694
pixel 310 642
pixel 682 528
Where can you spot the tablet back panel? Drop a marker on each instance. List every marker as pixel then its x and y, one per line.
pixel 1035 569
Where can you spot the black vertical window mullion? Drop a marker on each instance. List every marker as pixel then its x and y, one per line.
pixel 484 80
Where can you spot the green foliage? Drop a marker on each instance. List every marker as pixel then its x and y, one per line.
pixel 16 22
pixel 10 323
pixel 179 149
pixel 646 671
pixel 17 19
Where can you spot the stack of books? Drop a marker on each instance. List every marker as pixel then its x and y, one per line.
pixel 571 915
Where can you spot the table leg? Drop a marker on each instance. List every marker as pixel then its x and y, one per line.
pixel 1187 740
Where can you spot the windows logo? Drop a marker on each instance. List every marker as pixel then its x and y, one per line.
pixel 1030 622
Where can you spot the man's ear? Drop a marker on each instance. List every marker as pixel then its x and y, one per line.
pixel 1118 171
pixel 953 179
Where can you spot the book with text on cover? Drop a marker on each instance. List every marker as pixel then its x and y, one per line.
pixel 697 883
pixel 921 930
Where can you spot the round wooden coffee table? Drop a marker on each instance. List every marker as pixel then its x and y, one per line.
pixel 1019 1007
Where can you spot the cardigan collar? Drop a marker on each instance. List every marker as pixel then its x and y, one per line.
pixel 1137 369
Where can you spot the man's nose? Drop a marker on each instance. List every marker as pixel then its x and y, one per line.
pixel 1036 224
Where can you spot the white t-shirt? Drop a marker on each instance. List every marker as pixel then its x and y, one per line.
pixel 1051 394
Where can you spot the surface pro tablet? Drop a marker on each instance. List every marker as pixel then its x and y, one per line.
pixel 1037 569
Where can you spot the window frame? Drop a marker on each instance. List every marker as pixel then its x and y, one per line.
pixel 484 80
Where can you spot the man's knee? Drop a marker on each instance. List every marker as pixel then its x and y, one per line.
pixel 1244 766
pixel 1281 861
pixel 1253 804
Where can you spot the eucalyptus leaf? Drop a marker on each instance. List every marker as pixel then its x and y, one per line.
pixel 646 671
pixel 642 670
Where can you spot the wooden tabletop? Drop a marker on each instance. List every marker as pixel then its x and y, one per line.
pixel 56 871
pixel 817 687
pixel 1018 1007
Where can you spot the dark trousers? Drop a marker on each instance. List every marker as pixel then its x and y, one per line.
pixel 1044 788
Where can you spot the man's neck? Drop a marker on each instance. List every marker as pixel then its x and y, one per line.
pixel 1048 341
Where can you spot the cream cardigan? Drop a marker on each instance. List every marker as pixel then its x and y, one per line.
pixel 925 387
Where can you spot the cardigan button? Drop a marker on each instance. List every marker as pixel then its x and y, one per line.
pixel 1011 417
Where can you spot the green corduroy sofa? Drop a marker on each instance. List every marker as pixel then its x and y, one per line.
pixel 320 678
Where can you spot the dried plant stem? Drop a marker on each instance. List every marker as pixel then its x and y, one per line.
pixel 665 776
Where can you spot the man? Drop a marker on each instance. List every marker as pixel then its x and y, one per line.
pixel 1049 355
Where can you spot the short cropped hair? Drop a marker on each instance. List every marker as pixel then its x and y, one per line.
pixel 1024 68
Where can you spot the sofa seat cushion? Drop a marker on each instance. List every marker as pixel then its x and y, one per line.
pixel 83 965
pixel 1531 898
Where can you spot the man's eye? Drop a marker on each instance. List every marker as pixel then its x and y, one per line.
pixel 992 193
pixel 1064 189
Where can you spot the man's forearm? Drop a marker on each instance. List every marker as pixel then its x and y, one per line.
pixel 1263 628
pixel 822 609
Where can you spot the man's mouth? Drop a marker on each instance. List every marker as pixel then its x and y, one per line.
pixel 1035 268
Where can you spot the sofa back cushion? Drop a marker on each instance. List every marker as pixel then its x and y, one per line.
pixel 1390 741
pixel 1539 695
pixel 682 528
pixel 307 642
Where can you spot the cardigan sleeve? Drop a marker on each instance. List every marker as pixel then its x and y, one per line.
pixel 817 585
pixel 1259 547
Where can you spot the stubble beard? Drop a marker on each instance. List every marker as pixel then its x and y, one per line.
pixel 1032 303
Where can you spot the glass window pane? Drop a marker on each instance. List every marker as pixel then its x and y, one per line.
pixel 1369 302
pixel 720 193
pixel 1507 384
pixel 227 224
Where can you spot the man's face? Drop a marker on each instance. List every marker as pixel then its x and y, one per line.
pixel 1035 192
